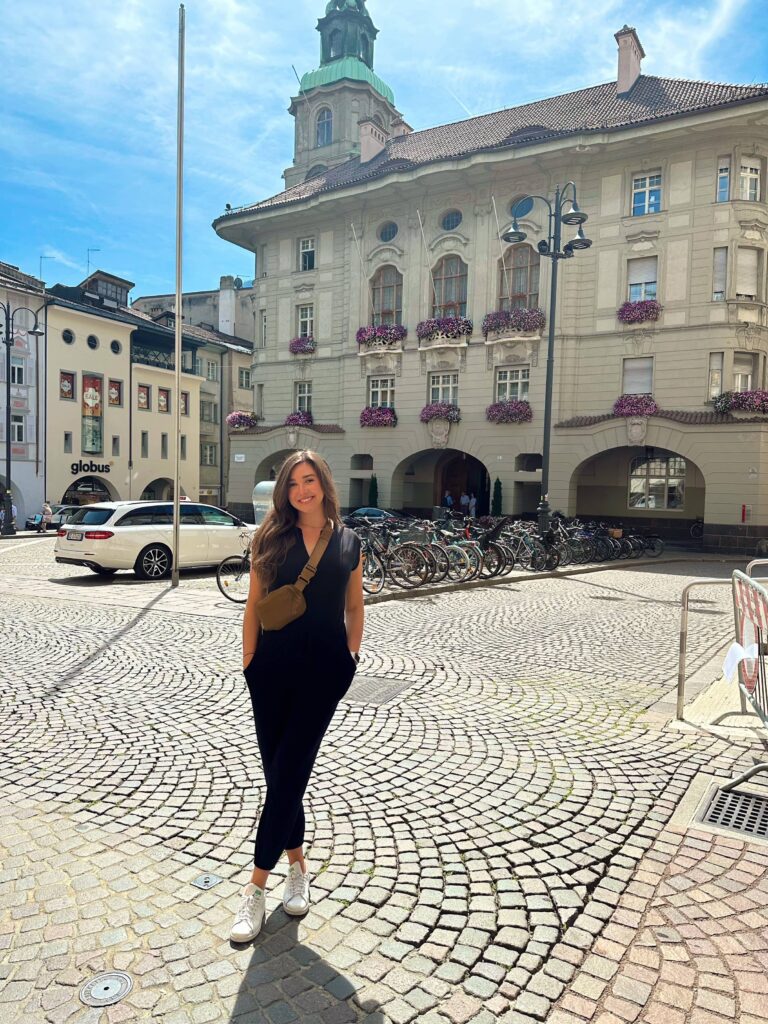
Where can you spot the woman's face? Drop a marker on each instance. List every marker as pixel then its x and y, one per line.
pixel 304 491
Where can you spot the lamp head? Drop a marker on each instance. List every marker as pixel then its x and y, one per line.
pixel 573 215
pixel 514 234
pixel 37 331
pixel 543 247
pixel 580 241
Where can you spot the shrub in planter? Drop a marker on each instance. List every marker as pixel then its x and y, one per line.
pixel 372 416
pixel 440 411
pixel 242 420
pixel 511 410
pixel 524 319
pixel 496 501
pixel 745 401
pixel 635 405
pixel 390 334
pixel 639 312
pixel 299 419
pixel 450 326
pixel 373 492
pixel 302 346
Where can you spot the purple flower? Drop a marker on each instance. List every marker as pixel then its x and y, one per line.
pixel 302 346
pixel 745 401
pixel 522 319
pixel 242 420
pixel 511 410
pixel 389 334
pixel 373 416
pixel 440 411
pixel 450 326
pixel 299 419
pixel 635 405
pixel 639 312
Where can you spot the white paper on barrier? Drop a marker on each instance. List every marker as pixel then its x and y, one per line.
pixel 736 654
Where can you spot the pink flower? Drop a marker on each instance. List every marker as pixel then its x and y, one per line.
pixel 518 319
pixel 299 419
pixel 635 405
pixel 440 411
pixel 374 416
pixel 640 312
pixel 509 411
pixel 302 346
pixel 450 326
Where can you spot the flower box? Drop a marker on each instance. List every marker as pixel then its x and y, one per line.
pixel 299 419
pixel 449 327
pixel 641 312
pixel 440 411
pixel 382 334
pixel 303 346
pixel 517 321
pixel 742 401
pixel 512 410
pixel 242 420
pixel 374 416
pixel 635 405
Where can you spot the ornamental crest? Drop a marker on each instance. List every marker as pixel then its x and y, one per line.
pixel 438 432
pixel 637 427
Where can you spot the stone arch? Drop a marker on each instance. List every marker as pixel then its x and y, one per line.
pixel 89 488
pixel 160 489
pixel 420 480
pixel 269 466
pixel 20 499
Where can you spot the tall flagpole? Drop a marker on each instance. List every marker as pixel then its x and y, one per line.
pixel 178 319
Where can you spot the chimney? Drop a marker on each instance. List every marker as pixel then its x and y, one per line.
pixel 631 54
pixel 227 305
pixel 400 127
pixel 373 139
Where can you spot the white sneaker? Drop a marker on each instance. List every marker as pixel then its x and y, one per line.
pixel 296 894
pixel 250 914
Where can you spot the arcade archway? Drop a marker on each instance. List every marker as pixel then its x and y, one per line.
pixel 87 490
pixel 160 489
pixel 268 468
pixel 419 482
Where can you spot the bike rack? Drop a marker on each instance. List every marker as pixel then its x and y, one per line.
pixel 684 631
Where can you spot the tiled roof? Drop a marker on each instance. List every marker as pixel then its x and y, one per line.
pixel 677 416
pixel 596 109
pixel 12 277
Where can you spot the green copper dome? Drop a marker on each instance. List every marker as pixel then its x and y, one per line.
pixel 348 67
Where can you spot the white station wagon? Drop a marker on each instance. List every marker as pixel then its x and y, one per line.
pixel 138 535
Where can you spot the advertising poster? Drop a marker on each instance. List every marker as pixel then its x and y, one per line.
pixel 93 414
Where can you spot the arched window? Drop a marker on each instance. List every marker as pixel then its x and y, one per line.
pixel 337 47
pixel 387 296
pixel 450 297
pixel 324 128
pixel 657 482
pixel 314 171
pixel 519 278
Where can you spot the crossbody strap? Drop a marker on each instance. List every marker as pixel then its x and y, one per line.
pixel 307 574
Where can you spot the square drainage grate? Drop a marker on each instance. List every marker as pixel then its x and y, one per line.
pixel 745 813
pixel 375 690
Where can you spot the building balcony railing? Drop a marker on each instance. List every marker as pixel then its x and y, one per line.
pixel 155 357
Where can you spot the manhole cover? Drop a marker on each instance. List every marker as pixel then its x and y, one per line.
pixel 746 813
pixel 106 989
pixel 374 690
pixel 207 881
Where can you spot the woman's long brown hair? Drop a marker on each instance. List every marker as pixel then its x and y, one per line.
pixel 275 535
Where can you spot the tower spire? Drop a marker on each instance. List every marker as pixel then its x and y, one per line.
pixel 346 31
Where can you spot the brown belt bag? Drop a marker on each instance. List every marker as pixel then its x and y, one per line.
pixel 286 604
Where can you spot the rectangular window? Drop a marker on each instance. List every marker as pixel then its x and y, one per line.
pixel 163 400
pixel 715 387
pixel 211 369
pixel 208 455
pixel 381 392
pixel 642 277
pixel 743 371
pixel 144 444
pixel 209 412
pixel 17 429
pixel 306 321
pixel 637 376
pixel 657 483
pixel 115 393
pixel 198 367
pixel 263 338
pixel 303 395
pixel 244 378
pixel 719 272
pixel 723 193
pixel 185 403
pixel 258 405
pixel 746 274
pixel 115 446
pixel 145 396
pixel 512 384
pixel 17 370
pixel 749 182
pixel 307 254
pixel 67 385
pixel 163 446
pixel 183 447
pixel 646 194
pixel 67 442
pixel 444 387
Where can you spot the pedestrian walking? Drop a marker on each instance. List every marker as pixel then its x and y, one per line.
pixel 302 631
pixel 47 516
pixel 472 505
pixel 464 502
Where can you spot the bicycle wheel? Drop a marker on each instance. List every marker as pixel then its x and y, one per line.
pixel 654 546
pixel 509 559
pixel 407 567
pixel 373 573
pixel 459 564
pixel 442 561
pixel 431 563
pixel 233 577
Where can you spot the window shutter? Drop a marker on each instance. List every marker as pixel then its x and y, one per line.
pixel 743 362
pixel 643 270
pixel 719 269
pixel 746 274
pixel 638 376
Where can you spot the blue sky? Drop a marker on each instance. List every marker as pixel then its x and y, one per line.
pixel 88 104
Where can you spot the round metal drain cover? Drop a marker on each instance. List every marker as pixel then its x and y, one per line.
pixel 106 989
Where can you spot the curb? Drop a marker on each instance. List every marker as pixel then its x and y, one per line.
pixel 451 588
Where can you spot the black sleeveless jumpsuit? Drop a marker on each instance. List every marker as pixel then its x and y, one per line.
pixel 296 679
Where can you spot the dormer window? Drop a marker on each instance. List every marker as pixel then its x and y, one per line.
pixel 324 128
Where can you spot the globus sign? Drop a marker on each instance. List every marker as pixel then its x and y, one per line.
pixel 89 467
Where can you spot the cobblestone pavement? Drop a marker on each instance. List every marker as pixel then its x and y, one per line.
pixel 486 819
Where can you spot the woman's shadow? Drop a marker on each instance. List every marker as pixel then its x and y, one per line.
pixel 287 981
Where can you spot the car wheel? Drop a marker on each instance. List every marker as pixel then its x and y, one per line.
pixel 154 562
pixel 101 571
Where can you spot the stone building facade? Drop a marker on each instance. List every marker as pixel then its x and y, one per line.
pixel 672 175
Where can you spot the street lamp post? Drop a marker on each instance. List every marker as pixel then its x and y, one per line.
pixel 8 528
pixel 564 209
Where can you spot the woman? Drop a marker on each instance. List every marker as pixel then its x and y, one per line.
pixel 298 674
pixel 47 516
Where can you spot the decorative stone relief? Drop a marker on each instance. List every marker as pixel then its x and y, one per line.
pixel 755 230
pixel 450 242
pixel 387 253
pixel 381 361
pixel 439 431
pixel 511 351
pixel 638 341
pixel 443 359
pixel 292 436
pixel 749 335
pixel 637 427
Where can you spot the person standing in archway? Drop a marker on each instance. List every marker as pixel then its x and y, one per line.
pixel 296 672
pixel 473 505
pixel 448 500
